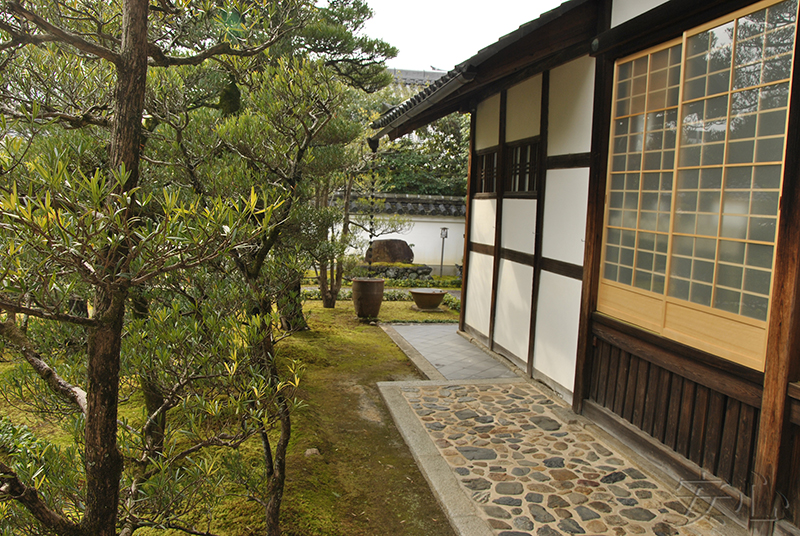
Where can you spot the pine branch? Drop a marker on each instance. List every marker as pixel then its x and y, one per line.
pixel 10 332
pixel 58 34
pixel 11 487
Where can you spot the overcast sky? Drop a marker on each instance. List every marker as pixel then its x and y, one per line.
pixel 443 33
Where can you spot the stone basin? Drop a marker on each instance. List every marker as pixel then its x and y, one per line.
pixel 427 299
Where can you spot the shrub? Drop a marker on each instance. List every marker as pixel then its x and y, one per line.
pixel 453 303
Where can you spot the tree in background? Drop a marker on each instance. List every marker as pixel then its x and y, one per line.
pixel 432 161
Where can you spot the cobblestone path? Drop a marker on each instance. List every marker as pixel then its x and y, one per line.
pixel 531 471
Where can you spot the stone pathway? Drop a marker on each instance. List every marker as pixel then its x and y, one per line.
pixel 452 355
pixel 531 468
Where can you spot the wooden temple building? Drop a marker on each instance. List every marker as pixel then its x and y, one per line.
pixel 633 228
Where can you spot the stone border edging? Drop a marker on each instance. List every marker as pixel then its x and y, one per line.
pixel 422 364
pixel 459 508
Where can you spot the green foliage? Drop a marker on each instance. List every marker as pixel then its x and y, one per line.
pixel 194 242
pixel 46 467
pixel 452 303
pixel 434 162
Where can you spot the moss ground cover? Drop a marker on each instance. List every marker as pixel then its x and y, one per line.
pixel 364 481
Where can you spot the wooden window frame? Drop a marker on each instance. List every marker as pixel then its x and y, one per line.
pixel 532 166
pixel 732 336
pixel 482 189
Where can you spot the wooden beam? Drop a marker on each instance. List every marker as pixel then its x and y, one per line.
pixel 566 269
pixel 660 24
pixel 544 118
pixel 483 249
pixel 783 336
pixel 500 187
pixel 467 220
pixel 601 127
pixel 517 256
pixel 569 161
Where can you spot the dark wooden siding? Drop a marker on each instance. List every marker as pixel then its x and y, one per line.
pixel 677 402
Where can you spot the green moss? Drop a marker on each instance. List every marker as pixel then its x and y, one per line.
pixel 365 481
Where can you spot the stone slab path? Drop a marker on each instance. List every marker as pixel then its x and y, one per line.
pixel 526 465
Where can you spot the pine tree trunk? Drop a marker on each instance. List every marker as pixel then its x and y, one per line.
pixel 102 457
pixel 327 293
pixel 275 462
pixel 290 304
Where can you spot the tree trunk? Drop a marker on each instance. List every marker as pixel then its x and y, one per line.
pixel 328 292
pixel 275 462
pixel 129 91
pixel 290 303
pixel 103 459
pixel 276 483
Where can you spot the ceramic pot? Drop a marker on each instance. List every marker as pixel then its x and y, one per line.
pixel 367 296
pixel 427 298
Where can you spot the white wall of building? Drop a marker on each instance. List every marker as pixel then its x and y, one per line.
pixel 519 225
pixel 571 104
pixel 487 123
pixel 425 240
pixel 512 324
pixel 479 292
pixel 625 10
pixel 556 345
pixel 524 109
pixel 565 208
pixel 483 221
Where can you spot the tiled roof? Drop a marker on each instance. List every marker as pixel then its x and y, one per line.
pixel 461 74
pixel 414 205
pixel 410 77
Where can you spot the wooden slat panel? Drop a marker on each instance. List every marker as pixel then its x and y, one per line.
pixel 673 413
pixel 630 391
pixel 611 385
pixel 597 350
pixel 715 424
pixel 602 376
pixel 793 483
pixel 641 393
pixel 662 406
pixel 744 448
pixel 718 374
pixel 699 424
pixel 622 382
pixel 685 425
pixel 652 397
pixel 730 431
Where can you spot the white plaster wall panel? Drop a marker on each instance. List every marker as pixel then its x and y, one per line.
pixel 512 323
pixel 519 225
pixel 524 109
pixel 483 220
pixel 557 318
pixel 425 240
pixel 569 128
pixel 479 293
pixel 487 123
pixel 625 10
pixel 565 205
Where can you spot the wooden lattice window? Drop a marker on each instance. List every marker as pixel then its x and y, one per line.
pixel 695 173
pixel 522 168
pixel 486 171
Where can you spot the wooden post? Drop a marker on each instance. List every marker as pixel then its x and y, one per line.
pixel 499 188
pixel 467 234
pixel 604 75
pixel 541 187
pixel 781 364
